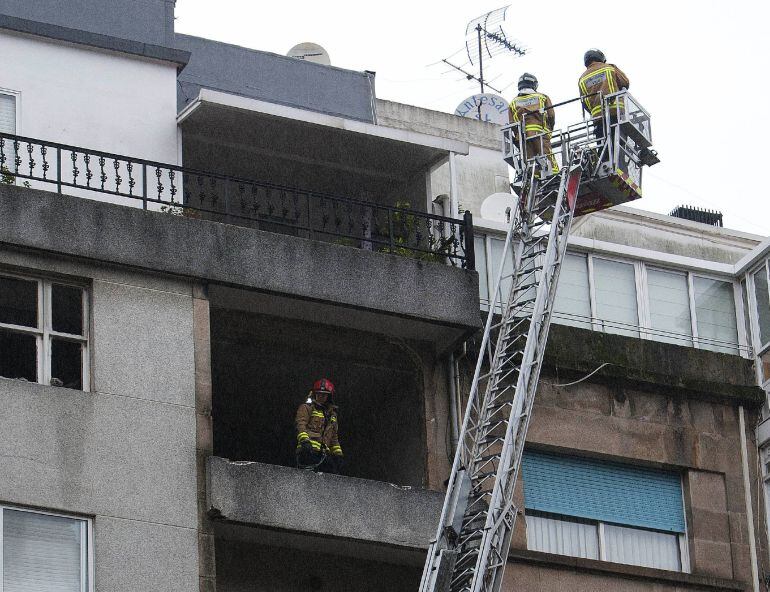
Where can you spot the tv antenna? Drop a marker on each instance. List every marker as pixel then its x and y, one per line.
pixel 489 39
pixel 485 39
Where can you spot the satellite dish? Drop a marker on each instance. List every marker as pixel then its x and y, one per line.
pixel 310 52
pixel 494 206
pixel 487 107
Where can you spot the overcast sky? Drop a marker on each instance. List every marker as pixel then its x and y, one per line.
pixel 700 67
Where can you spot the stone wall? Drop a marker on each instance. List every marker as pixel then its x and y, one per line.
pixel 122 453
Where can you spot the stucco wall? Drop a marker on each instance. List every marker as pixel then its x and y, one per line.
pixel 480 173
pixel 123 453
pixel 96 99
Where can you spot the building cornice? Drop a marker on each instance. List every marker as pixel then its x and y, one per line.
pixel 95 40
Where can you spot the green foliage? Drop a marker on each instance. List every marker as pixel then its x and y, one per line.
pixel 8 178
pixel 405 228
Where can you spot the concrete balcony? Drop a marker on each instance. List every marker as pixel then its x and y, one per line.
pixel 316 504
pixel 248 269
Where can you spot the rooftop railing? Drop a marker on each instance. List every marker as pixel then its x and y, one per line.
pixel 183 191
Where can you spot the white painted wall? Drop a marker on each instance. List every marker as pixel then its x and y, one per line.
pixel 102 100
pixel 480 173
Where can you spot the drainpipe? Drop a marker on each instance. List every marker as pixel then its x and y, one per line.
pixel 747 495
pixel 455 400
pixel 453 431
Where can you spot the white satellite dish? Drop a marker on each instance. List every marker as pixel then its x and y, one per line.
pixel 487 107
pixel 494 206
pixel 310 52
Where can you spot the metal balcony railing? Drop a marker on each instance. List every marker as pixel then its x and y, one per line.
pixel 183 191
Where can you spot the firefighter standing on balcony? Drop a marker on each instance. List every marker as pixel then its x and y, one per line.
pixel 535 111
pixel 318 445
pixel 599 80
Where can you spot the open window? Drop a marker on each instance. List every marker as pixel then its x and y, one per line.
pixel 43 332
pixel 263 367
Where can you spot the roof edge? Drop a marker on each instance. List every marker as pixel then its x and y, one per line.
pixel 95 40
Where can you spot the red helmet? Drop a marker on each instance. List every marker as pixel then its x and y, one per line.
pixel 324 385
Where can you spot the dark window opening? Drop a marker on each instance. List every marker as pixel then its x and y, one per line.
pixel 263 368
pixel 67 309
pixel 18 355
pixel 18 302
pixel 66 364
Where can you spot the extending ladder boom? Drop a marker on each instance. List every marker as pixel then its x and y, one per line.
pixel 601 166
pixel 472 542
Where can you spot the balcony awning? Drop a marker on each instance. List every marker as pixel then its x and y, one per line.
pixel 276 130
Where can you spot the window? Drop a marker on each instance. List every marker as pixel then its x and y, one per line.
pixel 480 248
pixel 669 306
pixel 7 113
pixel 762 298
pixel 615 285
pixel 496 253
pixel 573 302
pixel 638 299
pixel 7 126
pixel 43 552
pixel 717 322
pixel 43 332
pixel 601 510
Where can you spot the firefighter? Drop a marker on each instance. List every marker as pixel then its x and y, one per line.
pixel 599 80
pixel 318 445
pixel 535 111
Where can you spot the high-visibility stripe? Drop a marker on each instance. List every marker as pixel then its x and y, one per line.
pixel 317 414
pixel 541 100
pixel 302 436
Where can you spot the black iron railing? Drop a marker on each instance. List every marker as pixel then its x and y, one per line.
pixel 182 191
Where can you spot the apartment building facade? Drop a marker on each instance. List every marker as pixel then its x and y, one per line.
pixel 177 265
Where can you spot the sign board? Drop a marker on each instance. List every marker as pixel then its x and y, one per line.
pixel 486 107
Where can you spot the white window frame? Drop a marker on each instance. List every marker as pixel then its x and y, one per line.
pixel 744 346
pixel 759 347
pixel 44 331
pixel 86 543
pixel 682 540
pixel 17 100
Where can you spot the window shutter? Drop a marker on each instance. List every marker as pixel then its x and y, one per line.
pixel 41 553
pixel 608 492
pixel 7 114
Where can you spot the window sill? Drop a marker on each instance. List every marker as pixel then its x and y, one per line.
pixel 622 570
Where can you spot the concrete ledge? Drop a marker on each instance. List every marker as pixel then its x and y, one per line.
pixel 709 374
pixel 239 257
pixel 58 33
pixel 327 505
pixel 549 560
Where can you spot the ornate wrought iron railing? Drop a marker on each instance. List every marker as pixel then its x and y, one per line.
pixel 183 191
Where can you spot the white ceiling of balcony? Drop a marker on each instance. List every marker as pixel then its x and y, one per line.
pixel 269 129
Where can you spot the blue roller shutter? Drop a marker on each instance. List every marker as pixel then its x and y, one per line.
pixel 603 491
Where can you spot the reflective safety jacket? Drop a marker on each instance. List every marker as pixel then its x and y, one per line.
pixel 318 425
pixel 605 79
pixel 535 110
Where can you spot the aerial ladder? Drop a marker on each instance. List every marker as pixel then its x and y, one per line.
pixel 588 170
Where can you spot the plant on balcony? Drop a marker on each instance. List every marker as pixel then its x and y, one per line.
pixel 8 178
pixel 406 231
pixel 178 210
